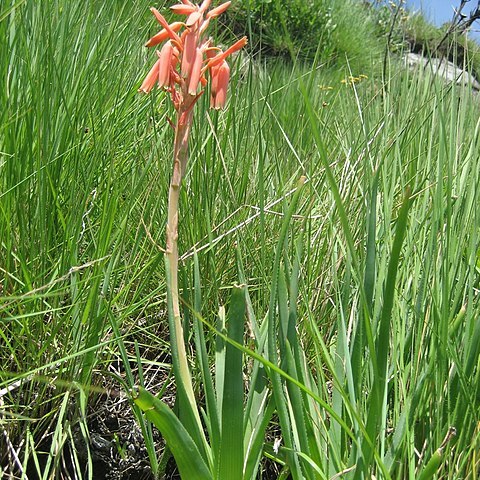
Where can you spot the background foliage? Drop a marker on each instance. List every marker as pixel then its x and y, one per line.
pixel 308 29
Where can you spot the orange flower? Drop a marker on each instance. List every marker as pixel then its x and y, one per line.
pixel 222 56
pixel 161 20
pixel 163 35
pixel 220 78
pixel 190 42
pixel 196 72
pixel 186 55
pixel 204 6
pixel 183 9
pixel 150 79
pixel 165 67
pixel 215 12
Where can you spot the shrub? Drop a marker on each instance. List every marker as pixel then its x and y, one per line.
pixel 321 28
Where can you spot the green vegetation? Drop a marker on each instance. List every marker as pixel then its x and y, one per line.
pixel 361 288
pixel 316 29
pixel 406 30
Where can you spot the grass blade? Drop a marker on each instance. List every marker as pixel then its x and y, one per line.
pixel 377 395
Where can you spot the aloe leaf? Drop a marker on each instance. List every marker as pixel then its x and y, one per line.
pixel 258 410
pixel 231 447
pixel 202 356
pixel 188 410
pixel 274 368
pixel 187 456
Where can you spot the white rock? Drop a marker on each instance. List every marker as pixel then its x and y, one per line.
pixel 443 68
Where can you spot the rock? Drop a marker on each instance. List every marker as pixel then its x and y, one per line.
pixel 444 69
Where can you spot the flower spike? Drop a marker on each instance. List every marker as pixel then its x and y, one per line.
pixel 186 56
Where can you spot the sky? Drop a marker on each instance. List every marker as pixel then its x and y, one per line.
pixel 441 11
pixel 438 11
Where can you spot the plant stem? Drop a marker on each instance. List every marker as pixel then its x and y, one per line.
pixel 180 157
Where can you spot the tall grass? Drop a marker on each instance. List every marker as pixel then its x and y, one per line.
pixel 379 267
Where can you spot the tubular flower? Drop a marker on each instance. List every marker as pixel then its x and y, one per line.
pixel 215 12
pixel 220 77
pixel 223 55
pixel 183 9
pixel 186 55
pixel 150 79
pixel 196 72
pixel 163 35
pixel 164 69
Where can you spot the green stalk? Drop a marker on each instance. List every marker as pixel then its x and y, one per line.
pixel 180 158
pixel 186 396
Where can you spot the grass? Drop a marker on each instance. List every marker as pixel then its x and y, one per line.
pixel 318 29
pixel 385 299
